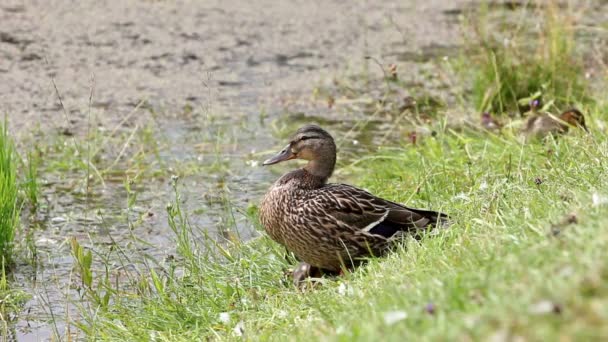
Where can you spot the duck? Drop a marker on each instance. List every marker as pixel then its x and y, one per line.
pixel 332 227
pixel 545 124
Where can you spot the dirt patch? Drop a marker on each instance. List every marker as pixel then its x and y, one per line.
pixel 240 54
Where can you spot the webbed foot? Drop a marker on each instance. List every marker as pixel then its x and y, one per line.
pixel 303 272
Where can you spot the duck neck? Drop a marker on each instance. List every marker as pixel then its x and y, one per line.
pixel 322 167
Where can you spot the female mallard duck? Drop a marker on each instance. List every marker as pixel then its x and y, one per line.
pixel 331 226
pixel 542 125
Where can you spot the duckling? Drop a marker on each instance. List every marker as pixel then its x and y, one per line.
pixel 542 125
pixel 489 123
pixel 331 227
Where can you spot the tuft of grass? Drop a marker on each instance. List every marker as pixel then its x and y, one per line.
pixel 11 302
pixel 203 268
pixel 30 184
pixel 519 61
pixel 9 209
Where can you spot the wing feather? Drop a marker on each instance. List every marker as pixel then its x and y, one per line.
pixel 347 207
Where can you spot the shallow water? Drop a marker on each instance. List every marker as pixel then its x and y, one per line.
pixel 223 83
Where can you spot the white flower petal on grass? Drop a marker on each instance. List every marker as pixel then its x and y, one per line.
pixel 392 317
pixel 541 307
pixel 545 307
pixel 483 185
pixel 224 317
pixel 345 290
pixel 239 329
pixel 527 213
pixel 598 199
pixel 340 330
pixel 462 196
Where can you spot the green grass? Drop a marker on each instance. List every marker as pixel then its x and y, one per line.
pixel 12 301
pixel 535 57
pixel 30 184
pixel 9 210
pixel 503 269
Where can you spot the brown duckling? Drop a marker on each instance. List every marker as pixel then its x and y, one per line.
pixel 327 226
pixel 542 125
pixel 489 123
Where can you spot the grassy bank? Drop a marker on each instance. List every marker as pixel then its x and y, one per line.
pixel 526 257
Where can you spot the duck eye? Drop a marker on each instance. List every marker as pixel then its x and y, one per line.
pixel 305 138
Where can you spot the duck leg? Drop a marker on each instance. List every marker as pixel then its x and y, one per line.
pixel 304 271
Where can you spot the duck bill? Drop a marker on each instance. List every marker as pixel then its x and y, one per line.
pixel 284 155
pixel 585 128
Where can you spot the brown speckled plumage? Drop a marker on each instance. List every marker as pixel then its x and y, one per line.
pixel 331 225
pixel 543 125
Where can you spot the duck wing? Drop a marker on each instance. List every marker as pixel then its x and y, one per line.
pixel 347 206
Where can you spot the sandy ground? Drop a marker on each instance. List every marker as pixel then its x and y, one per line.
pixel 239 53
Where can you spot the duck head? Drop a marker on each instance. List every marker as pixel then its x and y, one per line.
pixel 574 118
pixel 311 143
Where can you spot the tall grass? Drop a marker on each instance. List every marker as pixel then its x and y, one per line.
pixel 535 58
pixel 30 184
pixel 213 274
pixel 9 211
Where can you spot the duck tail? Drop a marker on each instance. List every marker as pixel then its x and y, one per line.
pixel 437 219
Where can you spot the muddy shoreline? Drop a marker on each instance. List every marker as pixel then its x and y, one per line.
pixel 229 53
